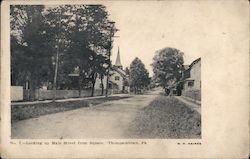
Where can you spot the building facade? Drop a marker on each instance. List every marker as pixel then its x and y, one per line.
pixel 117 78
pixel 191 80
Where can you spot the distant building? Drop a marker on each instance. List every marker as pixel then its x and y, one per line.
pixel 117 79
pixel 191 80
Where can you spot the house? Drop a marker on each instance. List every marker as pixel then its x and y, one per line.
pixel 191 80
pixel 117 79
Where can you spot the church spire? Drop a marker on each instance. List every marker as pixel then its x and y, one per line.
pixel 118 60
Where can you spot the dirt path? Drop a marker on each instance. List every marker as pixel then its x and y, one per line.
pixel 107 120
pixel 191 105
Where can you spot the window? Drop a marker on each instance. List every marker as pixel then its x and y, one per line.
pixel 190 83
pixel 117 78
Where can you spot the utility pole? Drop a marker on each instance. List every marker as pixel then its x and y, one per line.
pixel 109 54
pixel 57 60
pixel 109 65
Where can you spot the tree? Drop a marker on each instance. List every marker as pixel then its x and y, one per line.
pixel 57 20
pixel 54 41
pixel 29 46
pixel 90 43
pixel 126 80
pixel 168 66
pixel 127 71
pixel 139 76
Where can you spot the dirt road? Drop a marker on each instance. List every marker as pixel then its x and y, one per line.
pixel 107 120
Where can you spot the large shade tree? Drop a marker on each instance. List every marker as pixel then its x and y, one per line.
pixel 168 66
pixel 90 38
pixel 48 43
pixel 29 47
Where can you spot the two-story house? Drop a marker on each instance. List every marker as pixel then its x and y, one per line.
pixel 191 80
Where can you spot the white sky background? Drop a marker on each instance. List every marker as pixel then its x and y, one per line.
pixel 145 27
pixel 197 28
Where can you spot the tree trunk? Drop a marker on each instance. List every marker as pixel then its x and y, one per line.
pixel 80 85
pixel 102 85
pixel 32 91
pixel 107 84
pixel 93 89
pixel 93 85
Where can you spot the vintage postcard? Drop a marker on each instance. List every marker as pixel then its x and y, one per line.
pixel 125 79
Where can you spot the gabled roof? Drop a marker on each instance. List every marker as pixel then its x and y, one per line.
pixel 194 62
pixel 113 83
pixel 120 71
pixel 188 67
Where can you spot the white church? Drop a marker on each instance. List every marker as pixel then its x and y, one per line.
pixel 117 78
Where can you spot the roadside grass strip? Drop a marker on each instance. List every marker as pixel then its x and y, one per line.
pixel 166 117
pixel 21 112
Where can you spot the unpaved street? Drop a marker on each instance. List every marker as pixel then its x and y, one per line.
pixel 107 120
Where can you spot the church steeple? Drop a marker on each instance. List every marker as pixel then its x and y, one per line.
pixel 118 60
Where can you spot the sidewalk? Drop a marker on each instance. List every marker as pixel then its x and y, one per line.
pixel 191 105
pixel 69 99
pixel 192 100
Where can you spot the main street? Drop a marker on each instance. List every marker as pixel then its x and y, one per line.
pixel 150 115
pixel 106 120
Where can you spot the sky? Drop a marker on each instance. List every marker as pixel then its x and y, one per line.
pixel 145 27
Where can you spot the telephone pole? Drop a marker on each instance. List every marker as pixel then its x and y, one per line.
pixel 57 58
pixel 109 54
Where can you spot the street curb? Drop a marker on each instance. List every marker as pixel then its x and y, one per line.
pixel 192 105
pixel 68 100
pixel 191 100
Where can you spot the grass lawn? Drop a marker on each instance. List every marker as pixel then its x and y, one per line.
pixel 21 112
pixel 166 117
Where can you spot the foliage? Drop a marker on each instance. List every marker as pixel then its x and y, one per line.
pixel 29 47
pixel 90 42
pixel 168 66
pixel 139 76
pixel 127 71
pixel 50 42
